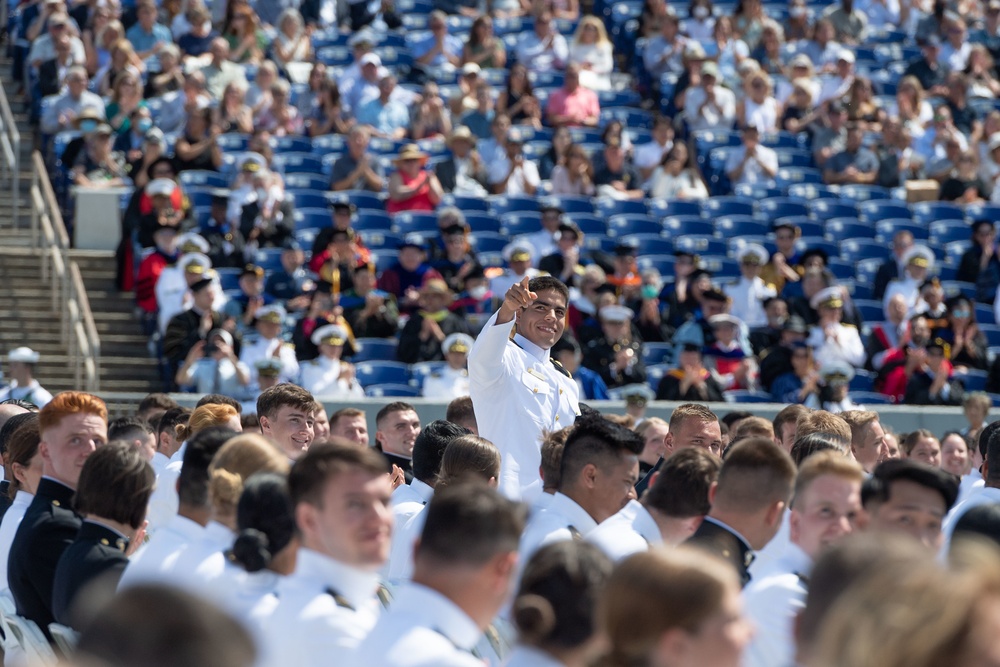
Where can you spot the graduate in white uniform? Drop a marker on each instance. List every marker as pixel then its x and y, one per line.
pixel 600 467
pixel 555 611
pixel 918 261
pixel 517 391
pixel 835 379
pixel 270 320
pixel 452 381
pixel 830 339
pixel 268 375
pixel 750 291
pixel 329 604
pixel 464 567
pixel 172 295
pixel 23 386
pixel 668 513
pixel 826 507
pixel 327 376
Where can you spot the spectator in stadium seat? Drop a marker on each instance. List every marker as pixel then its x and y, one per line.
pixel 97 166
pixel 752 163
pixel 292 44
pixel 616 178
pixel 58 24
pixel 895 155
pixel 405 277
pixel 928 69
pixel 964 184
pixel 123 57
pixel 542 49
pixel 855 164
pixel 64 109
pixel 649 156
pixel 197 40
pixel 281 118
pixel 431 118
pixel 514 174
pixel 709 106
pixel 573 104
pixel 197 147
pixel 371 313
pixel 676 177
pixel 464 172
pixel 576 176
pixel 663 53
pixel 931 382
pixel 421 338
pixel 592 51
pixel 483 47
pixel 961 331
pixel 179 104
pixel 892 268
pixel 830 137
pixel 52 72
pixel 126 97
pixel 148 36
pixel 690 381
pixel 357 169
pixel 850 23
pixel 979 264
pixel 412 187
pixel 963 116
pixel 955 49
pixel 326 110
pixel 439 49
pixel 233 114
pixel 247 42
pixel 221 71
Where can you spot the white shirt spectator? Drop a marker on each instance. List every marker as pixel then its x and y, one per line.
pixel 8 528
pixel 718 115
pixel 525 174
pixel 880 13
pixel 753 172
pixel 601 60
pixel 542 55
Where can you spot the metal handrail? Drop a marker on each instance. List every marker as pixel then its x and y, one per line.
pixel 78 332
pixel 10 146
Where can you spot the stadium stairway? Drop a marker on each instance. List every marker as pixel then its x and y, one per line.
pixel 26 317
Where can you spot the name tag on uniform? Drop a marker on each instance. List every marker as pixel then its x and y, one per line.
pixel 536 382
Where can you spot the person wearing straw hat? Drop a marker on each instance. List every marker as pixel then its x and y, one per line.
pixel 750 291
pixel 917 263
pixel 464 173
pixel 327 376
pixel 411 186
pixel 21 362
pixel 423 337
pixel 452 381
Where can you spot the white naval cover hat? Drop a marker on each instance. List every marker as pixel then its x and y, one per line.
pixel 24 355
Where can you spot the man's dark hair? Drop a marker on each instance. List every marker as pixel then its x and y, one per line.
pixel 219 399
pixel 877 489
pixel 681 487
pixel 985 436
pixel 731 418
pixel 310 474
pixel 285 394
pixel 755 473
pixel 265 518
pixel 156 401
pixel 115 483
pixel 788 414
pixel 11 425
pixel 389 408
pixel 192 484
pixel 161 626
pixel 428 448
pixel 595 440
pixel 549 283
pixel 468 524
pixel 345 412
pixel 171 418
pixel 980 521
pixel 21 403
pixel 129 429
pixel 460 410
pixel 814 443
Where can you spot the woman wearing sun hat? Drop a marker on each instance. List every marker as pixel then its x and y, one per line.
pixel 411 187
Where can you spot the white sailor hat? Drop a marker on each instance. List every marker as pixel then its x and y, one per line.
pixel 518 251
pixel 837 372
pixel 724 318
pixel 226 337
pixel 24 355
pixel 753 251
pixel 919 255
pixel 457 342
pixel 331 334
pixel 268 367
pixel 614 313
pixel 195 263
pixel 636 393
pixel 161 186
pixel 272 314
pixel 191 242
pixel 831 297
pixel 253 162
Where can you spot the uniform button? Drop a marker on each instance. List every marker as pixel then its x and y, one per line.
pixel 560 392
pixel 56 503
pixel 557 417
pixel 105 542
pixel 535 390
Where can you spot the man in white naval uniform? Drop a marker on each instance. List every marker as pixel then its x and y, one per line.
pixel 600 466
pixel 750 291
pixel 327 376
pixel 23 386
pixel 463 570
pixel 327 607
pixel 917 262
pixel 668 513
pixel 452 381
pixel 830 339
pixel 172 296
pixel 269 343
pixel 517 391
pixel 825 507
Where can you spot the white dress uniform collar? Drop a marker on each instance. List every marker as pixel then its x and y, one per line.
pixel 179 454
pixel 159 462
pixel 527 656
pixel 422 489
pixel 440 614
pixel 531 348
pixel 631 530
pixel 576 516
pixel 219 535
pixel 356 586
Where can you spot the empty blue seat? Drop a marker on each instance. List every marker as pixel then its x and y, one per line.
pixel 782 207
pixel 756 191
pixel 199 195
pixel 232 141
pixel 732 226
pixel 590 224
pixel 608 207
pixel 305 182
pixel 858 249
pixel 789 176
pixel 420 370
pixel 972 379
pixel 653 244
pixel 466 203
pixel 360 198
pixel 599 242
pixel 700 245
pixel 810 191
pixel 933 211
pixel 657 353
pixel 297 162
pixel 229 277
pixel 982 212
pixel 862 381
pixel 885 229
pixel 807 226
pixel 624 225
pixel 203 178
pixel 408 222
pixel 501 204
pixel 865 270
pixel 572 204
pixel 721 268
pixel 719 206
pixel 942 232
pixel 366 219
pixel 985 314
pixel 876 210
pixel 842 229
pixel 955 287
pixel 488 242
pixel 655 373
pixel 524 222
pixel 290 144
pixel 628 117
pixel 307 198
pixel 818 243
pixel 677 225
pixel 329 143
pixel 482 222
pixel 745 396
pixel 827 209
pixel 382 372
pixel 662 263
pixel 392 390
pixel 862 193
pixel 306 237
pixel 268 259
pixel 306 218
pixel 662 208
pixel 870 311
pixel 379 240
pixel 841 269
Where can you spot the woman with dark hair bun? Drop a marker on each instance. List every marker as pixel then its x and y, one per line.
pixel 555 608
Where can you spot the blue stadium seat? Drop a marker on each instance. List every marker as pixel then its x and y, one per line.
pixel 865 270
pixel 745 396
pixel 858 249
pixel 657 353
pixel 676 225
pixel 794 157
pixel 523 222
pixel 311 218
pixel 653 244
pixel 306 237
pixel 662 263
pixel 955 287
pixel 599 242
pixel 482 222
pixel 842 270
pixel 382 372
pixel 329 143
pixel 789 176
pixel 466 204
pixel 655 373
pixel 942 232
pixel 367 219
pixel 934 211
pixel 874 210
pixel 392 390
pixel 810 191
pixel 733 226
pixel 842 229
pixel 608 207
pixel 985 314
pixel 868 398
pixel 862 193
pixel 956 249
pixel 420 370
pixel 306 182
pixel 229 277
pixel 488 242
pixel 379 240
pixel 862 381
pixel 982 212
pixel 590 224
pixel 500 204
pixel 307 198
pixel 625 225
pixel 827 209
pixel 735 244
pixel 782 207
pixel 297 162
pixel 756 191
pixel 886 228
pixel 408 222
pixel 807 226
pixel 662 208
pixel 721 268
pixel 700 245
pixel 202 178
pixel 870 310
pixel 818 243
pixel 383 259
pixel 199 195
pixel 718 206
pixel 232 141
pixel 972 379
pixel 291 144
pixel 360 198
pixel 268 259
pixel 576 204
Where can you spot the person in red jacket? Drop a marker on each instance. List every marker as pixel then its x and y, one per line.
pixel 165 254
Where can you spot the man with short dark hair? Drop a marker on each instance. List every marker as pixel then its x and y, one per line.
pixel 784 425
pixel 428 449
pixel 397 426
pixel 464 565
pixel 461 412
pixel 152 407
pixel 517 390
pixel 691 425
pixel 137 433
pixel 167 443
pixel 341 495
pixel 285 412
pixel 350 424
pixel 598 472
pixel 668 513
pixel 909 497
pixel 748 502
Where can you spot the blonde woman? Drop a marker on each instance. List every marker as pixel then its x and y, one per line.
pixel 678 608
pixel 207 416
pixel 759 108
pixel 592 51
pixel 576 176
pixel 292 43
pixel 911 107
pixel 126 97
